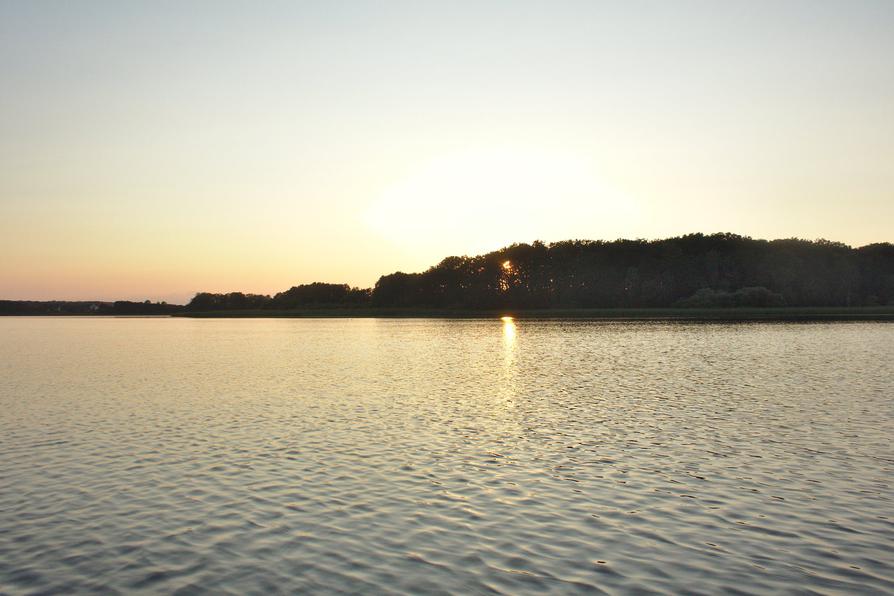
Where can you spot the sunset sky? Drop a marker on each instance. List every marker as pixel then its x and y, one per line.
pixel 156 149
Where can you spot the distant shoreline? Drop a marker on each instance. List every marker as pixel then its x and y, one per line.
pixel 856 313
pixel 865 313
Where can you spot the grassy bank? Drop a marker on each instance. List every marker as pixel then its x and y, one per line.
pixel 869 313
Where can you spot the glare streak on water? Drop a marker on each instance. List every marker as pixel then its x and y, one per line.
pixel 408 456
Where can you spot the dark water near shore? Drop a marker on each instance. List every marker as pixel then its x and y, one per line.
pixel 411 456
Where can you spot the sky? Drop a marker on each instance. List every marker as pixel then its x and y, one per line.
pixel 151 150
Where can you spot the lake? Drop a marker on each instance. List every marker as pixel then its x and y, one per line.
pixel 430 456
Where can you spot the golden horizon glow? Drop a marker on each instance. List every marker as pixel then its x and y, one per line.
pixel 506 187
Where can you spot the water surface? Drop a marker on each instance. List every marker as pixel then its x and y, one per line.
pixel 409 456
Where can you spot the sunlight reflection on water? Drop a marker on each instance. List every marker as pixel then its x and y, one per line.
pixel 430 455
pixel 509 330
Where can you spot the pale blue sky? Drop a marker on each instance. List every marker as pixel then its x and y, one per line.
pixel 156 149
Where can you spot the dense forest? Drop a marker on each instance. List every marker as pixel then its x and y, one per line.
pixel 696 270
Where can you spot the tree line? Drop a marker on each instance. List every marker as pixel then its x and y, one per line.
pixel 314 295
pixel 695 270
pixel 86 307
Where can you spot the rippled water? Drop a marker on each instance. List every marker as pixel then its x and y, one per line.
pixel 410 456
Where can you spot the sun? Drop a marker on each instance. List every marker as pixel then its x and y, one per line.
pixel 507 265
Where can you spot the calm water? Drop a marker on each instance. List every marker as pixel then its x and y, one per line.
pixel 410 456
